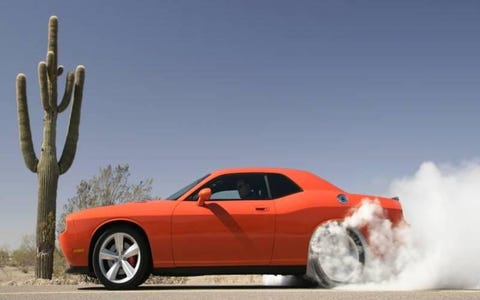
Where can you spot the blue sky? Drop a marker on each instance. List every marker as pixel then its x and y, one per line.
pixel 359 92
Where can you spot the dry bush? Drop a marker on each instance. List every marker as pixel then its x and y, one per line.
pixel 59 264
pixel 4 257
pixel 24 257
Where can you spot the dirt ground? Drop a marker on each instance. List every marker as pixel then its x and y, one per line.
pixel 11 276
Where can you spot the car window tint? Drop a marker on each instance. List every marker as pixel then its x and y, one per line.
pixel 281 186
pixel 238 186
pixel 229 194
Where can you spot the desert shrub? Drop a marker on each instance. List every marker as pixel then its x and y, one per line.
pixel 59 264
pixel 4 257
pixel 24 257
pixel 111 186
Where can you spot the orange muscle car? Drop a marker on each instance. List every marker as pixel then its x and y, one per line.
pixel 236 221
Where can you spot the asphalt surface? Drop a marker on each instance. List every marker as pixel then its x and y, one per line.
pixel 221 292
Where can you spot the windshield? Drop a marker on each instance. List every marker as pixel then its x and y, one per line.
pixel 185 189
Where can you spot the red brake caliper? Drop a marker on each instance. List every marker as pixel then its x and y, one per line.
pixel 132 260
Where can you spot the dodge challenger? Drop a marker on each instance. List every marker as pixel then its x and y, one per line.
pixel 235 221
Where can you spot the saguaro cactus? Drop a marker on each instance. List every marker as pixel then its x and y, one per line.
pixel 48 169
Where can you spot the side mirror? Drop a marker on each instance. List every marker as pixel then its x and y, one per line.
pixel 204 195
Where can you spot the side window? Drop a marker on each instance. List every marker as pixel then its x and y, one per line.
pixel 226 195
pixel 241 186
pixel 281 186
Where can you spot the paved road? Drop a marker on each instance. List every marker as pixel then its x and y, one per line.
pixel 224 292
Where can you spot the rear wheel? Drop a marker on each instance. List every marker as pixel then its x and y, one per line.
pixel 121 258
pixel 336 255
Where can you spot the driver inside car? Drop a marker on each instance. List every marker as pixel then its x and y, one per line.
pixel 245 190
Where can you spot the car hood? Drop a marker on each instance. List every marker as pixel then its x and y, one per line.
pixel 130 209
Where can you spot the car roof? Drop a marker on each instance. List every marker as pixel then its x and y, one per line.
pixel 305 179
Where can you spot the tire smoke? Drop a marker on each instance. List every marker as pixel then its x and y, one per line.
pixel 439 245
pixel 441 205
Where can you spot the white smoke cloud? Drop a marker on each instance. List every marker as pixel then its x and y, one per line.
pixel 439 248
pixel 442 206
pixel 389 245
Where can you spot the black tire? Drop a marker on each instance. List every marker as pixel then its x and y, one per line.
pixel 124 269
pixel 303 282
pixel 336 255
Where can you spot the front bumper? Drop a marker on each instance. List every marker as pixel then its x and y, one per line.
pixel 75 246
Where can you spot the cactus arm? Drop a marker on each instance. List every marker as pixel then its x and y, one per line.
pixel 26 143
pixel 52 59
pixel 52 76
pixel 70 147
pixel 52 70
pixel 52 37
pixel 42 80
pixel 68 92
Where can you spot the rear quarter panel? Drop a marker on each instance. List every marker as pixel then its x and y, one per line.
pixel 298 216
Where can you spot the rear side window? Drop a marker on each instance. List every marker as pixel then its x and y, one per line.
pixel 281 186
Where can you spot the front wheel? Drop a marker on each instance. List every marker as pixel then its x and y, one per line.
pixel 121 258
pixel 336 255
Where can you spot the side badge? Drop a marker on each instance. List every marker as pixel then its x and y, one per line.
pixel 342 199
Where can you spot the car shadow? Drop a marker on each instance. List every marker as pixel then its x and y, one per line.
pixel 198 287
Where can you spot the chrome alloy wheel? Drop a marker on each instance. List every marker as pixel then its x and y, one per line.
pixel 119 257
pixel 339 257
pixel 336 256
